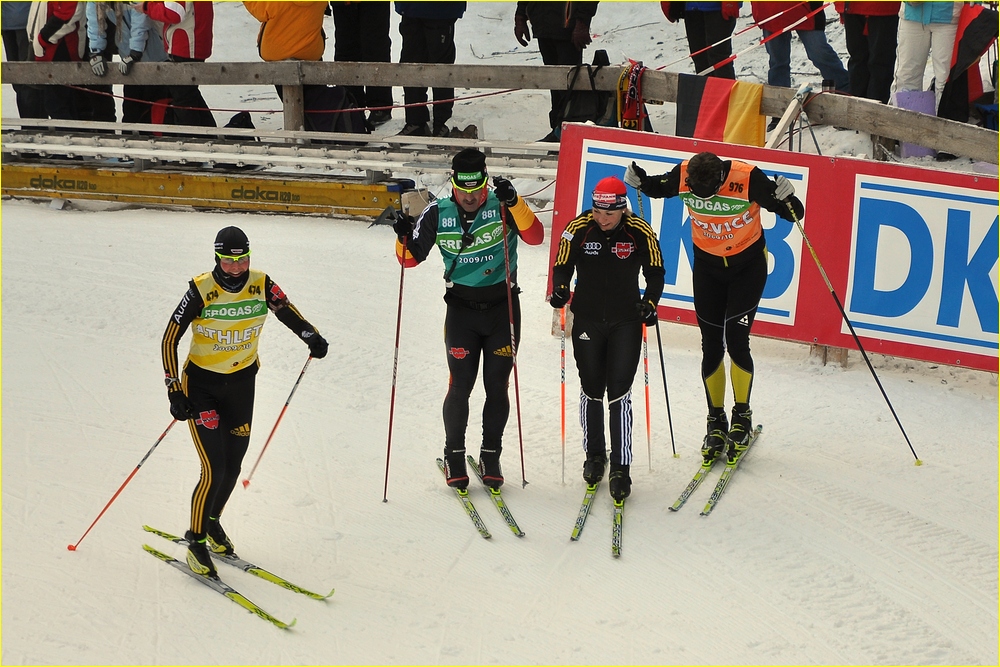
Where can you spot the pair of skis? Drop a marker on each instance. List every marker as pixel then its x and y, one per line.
pixel 616 521
pixel 495 495
pixel 724 478
pixel 216 584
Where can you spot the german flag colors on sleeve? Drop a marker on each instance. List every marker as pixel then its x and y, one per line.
pixel 719 110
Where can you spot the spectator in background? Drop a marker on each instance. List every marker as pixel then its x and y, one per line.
pixel 187 38
pixel 562 30
pixel 428 32
pixel 812 35
pixel 925 29
pixel 16 48
pixel 58 34
pixel 289 31
pixel 361 34
pixel 870 28
pixel 707 23
pixel 117 27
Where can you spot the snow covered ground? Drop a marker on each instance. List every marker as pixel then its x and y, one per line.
pixel 831 546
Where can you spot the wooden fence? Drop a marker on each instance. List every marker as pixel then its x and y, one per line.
pixel 840 110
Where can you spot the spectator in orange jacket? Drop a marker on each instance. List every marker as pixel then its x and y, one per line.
pixel 187 38
pixel 707 23
pixel 871 29
pixel 289 30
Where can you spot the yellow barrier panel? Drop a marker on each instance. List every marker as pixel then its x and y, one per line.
pixel 252 191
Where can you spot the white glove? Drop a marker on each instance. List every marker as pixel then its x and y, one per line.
pixel 783 189
pixel 634 175
pixel 97 64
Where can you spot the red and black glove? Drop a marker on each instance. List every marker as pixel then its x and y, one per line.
pixel 730 10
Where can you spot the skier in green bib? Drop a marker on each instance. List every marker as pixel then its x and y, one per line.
pixel 468 229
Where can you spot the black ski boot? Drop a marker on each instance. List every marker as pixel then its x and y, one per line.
pixel 715 442
pixel 455 471
pixel 198 558
pixel 739 433
pixel 593 468
pixel 489 467
pixel 619 483
pixel 218 541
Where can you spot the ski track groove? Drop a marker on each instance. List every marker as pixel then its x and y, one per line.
pixel 866 595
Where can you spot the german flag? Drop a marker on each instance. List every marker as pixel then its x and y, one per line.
pixel 976 31
pixel 719 110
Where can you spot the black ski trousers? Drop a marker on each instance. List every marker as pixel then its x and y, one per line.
pixel 361 34
pixel 470 334
pixel 725 301
pixel 221 432
pixel 607 355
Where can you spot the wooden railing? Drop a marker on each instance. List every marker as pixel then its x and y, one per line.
pixel 840 110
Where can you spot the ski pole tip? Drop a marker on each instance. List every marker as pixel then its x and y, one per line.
pixel 918 462
pixel 677 456
pixel 71 547
pixel 246 483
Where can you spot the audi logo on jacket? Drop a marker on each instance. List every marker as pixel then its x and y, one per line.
pixel 607 266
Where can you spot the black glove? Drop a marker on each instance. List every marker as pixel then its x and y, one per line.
pixel 795 207
pixel 181 407
pixel 560 296
pixel 504 191
pixel 403 225
pixel 647 311
pixel 521 31
pixel 317 344
pixel 635 176
pixel 98 64
pixel 125 66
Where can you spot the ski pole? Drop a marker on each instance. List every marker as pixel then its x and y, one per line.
pixel 72 547
pixel 395 359
pixel 723 63
pixel 562 386
pixel 857 341
pixel 645 375
pixel 663 372
pixel 513 342
pixel 274 428
pixel 753 25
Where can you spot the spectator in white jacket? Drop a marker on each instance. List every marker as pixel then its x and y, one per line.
pixel 925 28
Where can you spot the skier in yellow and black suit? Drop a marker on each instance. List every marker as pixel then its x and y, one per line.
pixel 225 309
pixel 724 198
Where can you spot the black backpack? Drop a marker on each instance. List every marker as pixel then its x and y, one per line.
pixel 341 112
pixel 597 106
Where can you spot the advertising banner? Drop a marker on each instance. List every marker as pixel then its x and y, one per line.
pixel 911 253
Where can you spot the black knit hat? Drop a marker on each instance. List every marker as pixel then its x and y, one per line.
pixel 232 241
pixel 469 169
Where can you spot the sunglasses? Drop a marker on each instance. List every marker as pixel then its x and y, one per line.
pixel 463 188
pixel 233 259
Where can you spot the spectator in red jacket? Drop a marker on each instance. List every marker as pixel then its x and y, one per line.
pixel 187 38
pixel 871 29
pixel 58 33
pixel 707 23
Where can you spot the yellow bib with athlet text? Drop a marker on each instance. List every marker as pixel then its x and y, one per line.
pixel 224 336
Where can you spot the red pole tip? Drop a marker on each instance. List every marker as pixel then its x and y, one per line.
pixel 71 547
pixel 246 483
